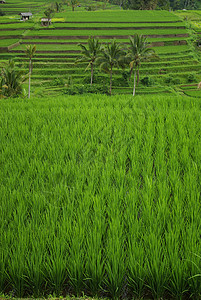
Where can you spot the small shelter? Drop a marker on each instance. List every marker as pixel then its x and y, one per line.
pixel 25 16
pixel 46 22
pixel 2 1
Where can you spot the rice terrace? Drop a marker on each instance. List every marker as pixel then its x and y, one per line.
pixel 100 149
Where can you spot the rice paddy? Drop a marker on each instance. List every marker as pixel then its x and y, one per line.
pixel 100 195
pixel 166 32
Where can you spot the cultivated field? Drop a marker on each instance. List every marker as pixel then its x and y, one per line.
pixel 101 195
pixel 57 48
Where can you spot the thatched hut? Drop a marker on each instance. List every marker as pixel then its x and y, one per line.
pixel 46 22
pixel 26 16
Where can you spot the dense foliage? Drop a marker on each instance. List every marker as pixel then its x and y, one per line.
pixel 11 80
pixel 156 4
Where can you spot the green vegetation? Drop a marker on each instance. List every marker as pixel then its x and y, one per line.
pixel 137 52
pixel 158 4
pixel 11 81
pixel 112 56
pixel 30 53
pixel 90 55
pixel 100 196
pixel 104 196
pixel 57 46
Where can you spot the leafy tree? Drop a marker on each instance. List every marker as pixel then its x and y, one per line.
pixel 153 4
pixel 30 52
pixel 49 14
pixel 90 55
pixel 11 80
pixel 73 4
pixel 138 51
pixel 112 56
pixel 58 6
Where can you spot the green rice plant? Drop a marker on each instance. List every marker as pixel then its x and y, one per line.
pixel 194 281
pixel 95 260
pixel 35 266
pixel 77 249
pixel 121 16
pixel 104 196
pixel 157 266
pixel 3 275
pixel 55 266
pixel 16 263
pixel 100 32
pixel 115 257
pixel 177 282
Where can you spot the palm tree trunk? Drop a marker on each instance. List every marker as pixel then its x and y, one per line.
pixel 92 73
pixel 111 81
pixel 131 71
pixel 29 78
pixel 138 75
pixel 134 83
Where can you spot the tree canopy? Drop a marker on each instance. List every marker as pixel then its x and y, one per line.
pixel 153 4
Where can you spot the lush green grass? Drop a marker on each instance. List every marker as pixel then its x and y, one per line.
pixel 172 49
pixel 100 195
pixel 55 47
pixel 120 16
pixel 20 25
pixel 119 25
pixel 99 32
pixel 8 42
pixel 12 33
pixel 193 93
pixel 122 40
pixel 58 47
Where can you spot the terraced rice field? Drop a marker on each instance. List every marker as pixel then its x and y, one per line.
pixel 57 46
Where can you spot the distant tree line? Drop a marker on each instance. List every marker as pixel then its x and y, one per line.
pixel 155 4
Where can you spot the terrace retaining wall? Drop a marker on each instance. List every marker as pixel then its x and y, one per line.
pixel 10 37
pixel 153 44
pixel 13 45
pixel 84 37
pixel 8 48
pixel 111 28
pixel 3 49
pixel 101 22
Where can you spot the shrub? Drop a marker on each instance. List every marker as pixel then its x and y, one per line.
pixel 2 13
pixel 57 82
pixel 170 79
pixel 99 79
pixel 147 81
pixel 176 81
pixel 191 77
pixel 79 89
pixel 123 80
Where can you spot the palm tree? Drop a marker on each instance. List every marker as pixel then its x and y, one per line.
pixel 30 52
pixel 91 54
pixel 112 56
pixel 11 81
pixel 138 51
